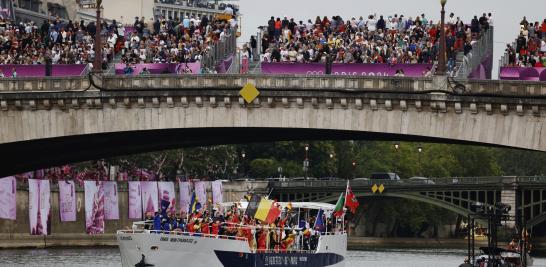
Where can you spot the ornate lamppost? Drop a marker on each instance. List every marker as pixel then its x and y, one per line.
pixel 441 70
pixel 97 63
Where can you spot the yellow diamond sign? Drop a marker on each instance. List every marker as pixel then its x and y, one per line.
pixel 249 92
pixel 374 188
pixel 381 189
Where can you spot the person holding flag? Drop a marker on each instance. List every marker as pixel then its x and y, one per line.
pixel 348 200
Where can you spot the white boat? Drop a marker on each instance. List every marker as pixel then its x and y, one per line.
pixel 504 256
pixel 140 247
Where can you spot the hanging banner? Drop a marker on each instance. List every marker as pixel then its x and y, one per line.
pixel 135 200
pixel 67 201
pixel 217 192
pixel 201 192
pixel 8 206
pixel 149 197
pixel 167 196
pixel 185 197
pixel 39 207
pixel 111 205
pixel 94 207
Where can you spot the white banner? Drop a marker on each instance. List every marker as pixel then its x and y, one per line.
pixel 94 207
pixel 135 200
pixel 67 201
pixel 185 196
pixel 217 192
pixel 201 192
pixel 39 207
pixel 111 205
pixel 8 191
pixel 149 197
pixel 167 196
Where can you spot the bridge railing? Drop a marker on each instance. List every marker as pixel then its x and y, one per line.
pixel 410 182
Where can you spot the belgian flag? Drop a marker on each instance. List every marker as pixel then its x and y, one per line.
pixel 262 209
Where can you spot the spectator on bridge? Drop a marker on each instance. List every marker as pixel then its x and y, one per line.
pixel 530 49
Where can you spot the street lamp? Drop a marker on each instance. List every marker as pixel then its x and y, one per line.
pixel 442 54
pixel 97 64
pixel 397 149
pixel 306 161
pixel 243 155
pixel 420 150
pixel 354 168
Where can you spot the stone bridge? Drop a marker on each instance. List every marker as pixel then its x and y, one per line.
pixel 525 195
pixel 53 121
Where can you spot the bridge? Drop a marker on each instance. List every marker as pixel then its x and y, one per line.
pixel 52 121
pixel 525 195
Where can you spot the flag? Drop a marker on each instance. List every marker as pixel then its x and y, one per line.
pixel 350 199
pixel 194 204
pixel 262 209
pixel 338 211
pixel 319 222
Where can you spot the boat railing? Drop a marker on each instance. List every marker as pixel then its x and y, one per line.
pixel 180 233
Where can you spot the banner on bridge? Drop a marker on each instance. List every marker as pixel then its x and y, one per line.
pixel 201 192
pixel 39 207
pixel 185 195
pixel 135 200
pixel 217 192
pixel 8 206
pixel 410 70
pixel 67 201
pixel 94 207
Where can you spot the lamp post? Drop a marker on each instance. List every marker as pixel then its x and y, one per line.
pixel 97 63
pixel 354 168
pixel 306 161
pixel 420 150
pixel 441 70
pixel 243 155
pixel 332 162
pixel 396 149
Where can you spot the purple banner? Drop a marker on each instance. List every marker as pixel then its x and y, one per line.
pixel 67 201
pixel 161 68
pixel 58 70
pixel 94 207
pixel 39 207
pixel 185 197
pixel 167 195
pixel 135 200
pixel 522 74
pixel 410 70
pixel 149 197
pixel 8 191
pixel 217 192
pixel 224 65
pixel 201 192
pixel 111 205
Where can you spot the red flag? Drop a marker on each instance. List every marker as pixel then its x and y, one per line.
pixel 350 200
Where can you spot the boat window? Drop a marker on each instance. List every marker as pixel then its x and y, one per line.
pixel 154 248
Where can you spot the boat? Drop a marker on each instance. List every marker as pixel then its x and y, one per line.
pixel 142 247
pixel 513 257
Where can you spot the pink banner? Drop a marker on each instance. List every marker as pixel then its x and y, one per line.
pixel 185 197
pixel 111 205
pixel 94 207
pixel 67 201
pixel 135 200
pixel 167 196
pixel 217 192
pixel 201 192
pixel 8 206
pixel 149 197
pixel 39 207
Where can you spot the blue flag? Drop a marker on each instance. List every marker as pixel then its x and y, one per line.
pixel 194 204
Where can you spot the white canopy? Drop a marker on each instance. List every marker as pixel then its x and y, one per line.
pixel 295 205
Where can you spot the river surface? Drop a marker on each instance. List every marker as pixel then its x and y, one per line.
pixel 109 257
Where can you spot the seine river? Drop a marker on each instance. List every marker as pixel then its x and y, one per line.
pixel 110 258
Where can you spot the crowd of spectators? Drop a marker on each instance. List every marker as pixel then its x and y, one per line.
pixel 66 42
pixel 530 46
pixel 375 39
pixel 174 40
pixel 229 8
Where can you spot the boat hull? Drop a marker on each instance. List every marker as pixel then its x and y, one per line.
pixel 168 250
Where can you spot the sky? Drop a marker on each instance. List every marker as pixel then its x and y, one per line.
pixel 506 13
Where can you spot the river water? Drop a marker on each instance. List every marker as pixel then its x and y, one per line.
pixel 109 257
